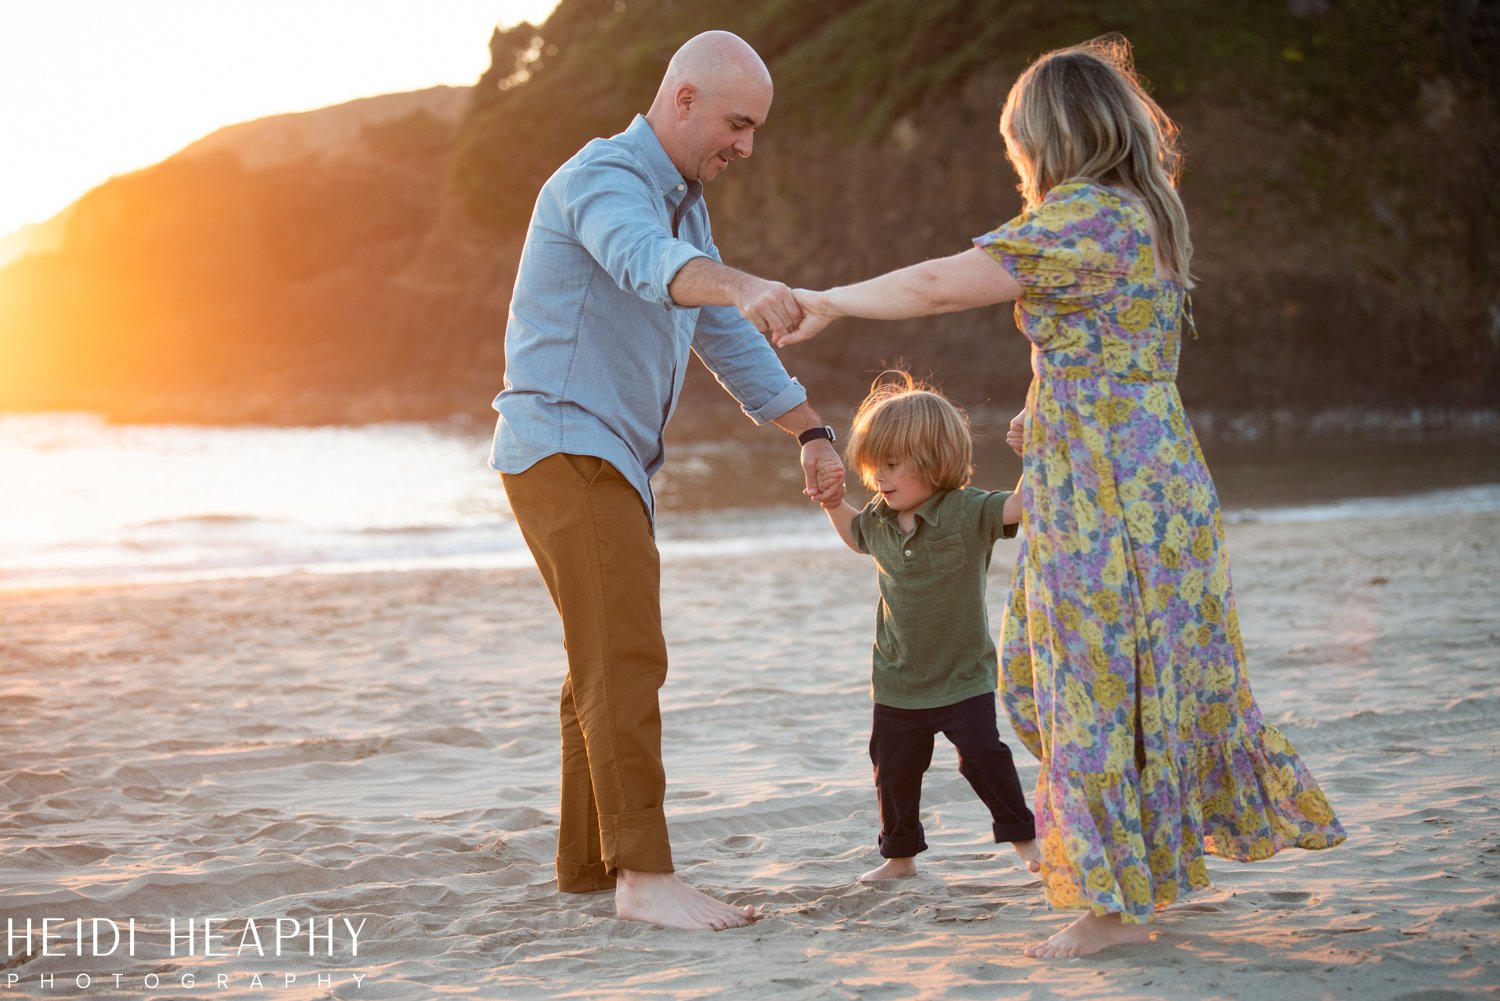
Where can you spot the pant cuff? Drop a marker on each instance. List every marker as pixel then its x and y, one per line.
pixel 575 878
pixel 1015 832
pixel 904 846
pixel 636 841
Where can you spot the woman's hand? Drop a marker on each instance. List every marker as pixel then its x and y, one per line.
pixel 817 312
pixel 1015 436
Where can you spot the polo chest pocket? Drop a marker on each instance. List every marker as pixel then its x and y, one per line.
pixel 946 555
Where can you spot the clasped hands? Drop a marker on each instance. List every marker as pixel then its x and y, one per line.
pixel 789 316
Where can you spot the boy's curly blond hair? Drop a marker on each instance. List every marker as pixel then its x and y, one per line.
pixel 907 421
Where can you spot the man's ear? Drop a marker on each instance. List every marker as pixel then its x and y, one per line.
pixel 684 100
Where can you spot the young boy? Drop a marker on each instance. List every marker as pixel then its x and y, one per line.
pixel 931 535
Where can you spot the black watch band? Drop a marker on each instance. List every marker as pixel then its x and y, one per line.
pixel 813 434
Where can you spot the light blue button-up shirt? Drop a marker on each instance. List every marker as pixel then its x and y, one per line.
pixel 595 348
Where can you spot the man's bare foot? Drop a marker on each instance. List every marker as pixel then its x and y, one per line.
pixel 1088 935
pixel 660 898
pixel 1029 853
pixel 893 868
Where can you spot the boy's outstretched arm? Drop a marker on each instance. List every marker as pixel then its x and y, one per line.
pixel 1011 514
pixel 842 517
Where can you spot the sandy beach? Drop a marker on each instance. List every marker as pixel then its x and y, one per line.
pixel 379 752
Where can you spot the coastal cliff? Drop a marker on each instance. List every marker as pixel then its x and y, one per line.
pixel 357 268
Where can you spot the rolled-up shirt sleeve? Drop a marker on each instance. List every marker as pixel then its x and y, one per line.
pixel 745 364
pixel 609 205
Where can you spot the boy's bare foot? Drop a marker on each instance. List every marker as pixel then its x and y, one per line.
pixel 660 898
pixel 893 868
pixel 1088 935
pixel 1029 853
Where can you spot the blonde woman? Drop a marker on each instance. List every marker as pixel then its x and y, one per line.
pixel 1121 664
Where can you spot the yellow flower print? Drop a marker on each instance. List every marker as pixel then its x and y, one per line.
pixel 1191 588
pixel 1090 255
pixel 1243 699
pixel 1106 605
pixel 1197 871
pixel 1155 400
pixel 1050 408
pixel 1203 543
pixel 1200 499
pixel 1166 892
pixel 1121 747
pixel 1143 269
pixel 1056 470
pixel 1315 842
pixel 1205 635
pixel 1169 558
pixel 1109 499
pixel 1077 847
pixel 1142 521
pixel 1109 691
pixel 1314 806
pixel 1163 861
pixel 1062 892
pixel 1101 880
pixel 1113 573
pixel 1068 614
pixel 1218 582
pixel 1175 490
pixel 1136 884
pixel 1137 316
pixel 1216 720
pixel 1176 534
pixel 1117 355
pixel 1130 491
pixel 1150 716
pixel 1018 670
pixel 1090 631
pixel 1220 677
pixel 1211 610
pixel 1166 594
pixel 1086 517
pixel 1098 659
pixel 1080 707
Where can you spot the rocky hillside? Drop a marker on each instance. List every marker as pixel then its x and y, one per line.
pixel 1339 156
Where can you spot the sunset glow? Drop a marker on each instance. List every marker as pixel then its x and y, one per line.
pixel 96 88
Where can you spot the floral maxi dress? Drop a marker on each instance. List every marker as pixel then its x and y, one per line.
pixel 1121 664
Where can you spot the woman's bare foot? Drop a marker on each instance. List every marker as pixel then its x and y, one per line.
pixel 1029 853
pixel 893 868
pixel 660 898
pixel 1090 934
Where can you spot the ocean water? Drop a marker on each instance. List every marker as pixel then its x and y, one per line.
pixel 87 502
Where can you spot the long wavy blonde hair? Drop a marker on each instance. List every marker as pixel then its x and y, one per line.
pixel 1081 114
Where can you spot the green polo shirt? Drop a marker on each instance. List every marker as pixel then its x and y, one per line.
pixel 932 634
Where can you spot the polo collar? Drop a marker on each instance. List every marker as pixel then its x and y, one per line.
pixel 930 511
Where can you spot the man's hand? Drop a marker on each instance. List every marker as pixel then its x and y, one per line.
pixel 817 313
pixel 1015 437
pixel 769 306
pixel 824 473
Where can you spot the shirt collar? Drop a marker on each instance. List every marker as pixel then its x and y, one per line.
pixel 930 511
pixel 663 171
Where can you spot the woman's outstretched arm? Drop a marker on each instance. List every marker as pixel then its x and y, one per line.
pixel 944 285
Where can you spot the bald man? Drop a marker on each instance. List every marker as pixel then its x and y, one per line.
pixel 619 280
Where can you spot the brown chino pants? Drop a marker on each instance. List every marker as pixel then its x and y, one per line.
pixel 591 537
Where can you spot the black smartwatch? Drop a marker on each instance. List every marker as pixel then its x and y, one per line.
pixel 813 434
